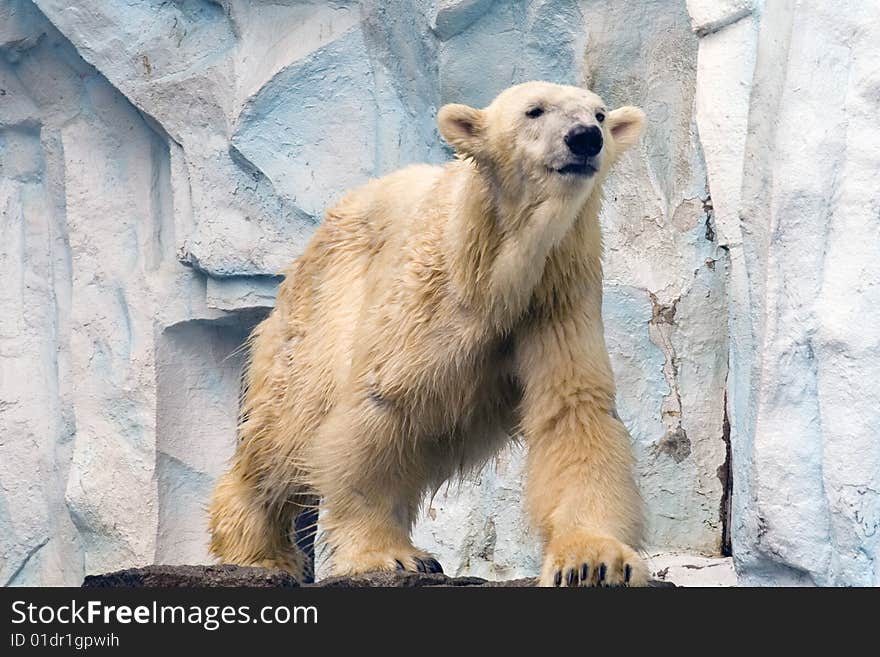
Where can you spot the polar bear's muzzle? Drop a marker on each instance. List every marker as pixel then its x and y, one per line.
pixel 584 143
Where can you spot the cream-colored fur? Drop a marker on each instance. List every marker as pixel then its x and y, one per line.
pixel 435 313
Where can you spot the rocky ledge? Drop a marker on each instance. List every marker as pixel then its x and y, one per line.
pixel 245 576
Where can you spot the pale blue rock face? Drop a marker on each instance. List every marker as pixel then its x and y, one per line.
pixel 161 163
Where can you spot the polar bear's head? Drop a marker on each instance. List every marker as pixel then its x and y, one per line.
pixel 538 133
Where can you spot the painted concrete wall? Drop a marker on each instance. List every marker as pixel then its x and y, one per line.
pixel 162 161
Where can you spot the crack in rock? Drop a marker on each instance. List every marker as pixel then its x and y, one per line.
pixel 24 562
pixel 709 211
pixel 710 27
pixel 674 442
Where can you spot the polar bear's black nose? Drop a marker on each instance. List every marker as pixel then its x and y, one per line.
pixel 584 140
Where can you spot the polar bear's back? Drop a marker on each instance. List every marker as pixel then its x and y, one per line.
pixel 391 203
pixel 320 302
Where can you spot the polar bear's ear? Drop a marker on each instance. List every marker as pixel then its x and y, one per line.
pixel 462 127
pixel 626 125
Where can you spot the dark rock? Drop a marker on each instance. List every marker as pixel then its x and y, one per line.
pixel 164 577
pixel 247 576
pixel 397 579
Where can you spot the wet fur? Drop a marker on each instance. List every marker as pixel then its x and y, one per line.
pixel 434 313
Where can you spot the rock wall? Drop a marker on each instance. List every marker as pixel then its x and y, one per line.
pixel 163 161
pixel 796 162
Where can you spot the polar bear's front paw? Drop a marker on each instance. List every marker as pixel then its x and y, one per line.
pixel 406 560
pixel 581 559
pixel 421 564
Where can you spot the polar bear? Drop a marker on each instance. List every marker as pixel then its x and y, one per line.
pixel 437 312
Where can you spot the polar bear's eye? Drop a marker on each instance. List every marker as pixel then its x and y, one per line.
pixel 600 116
pixel 535 112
